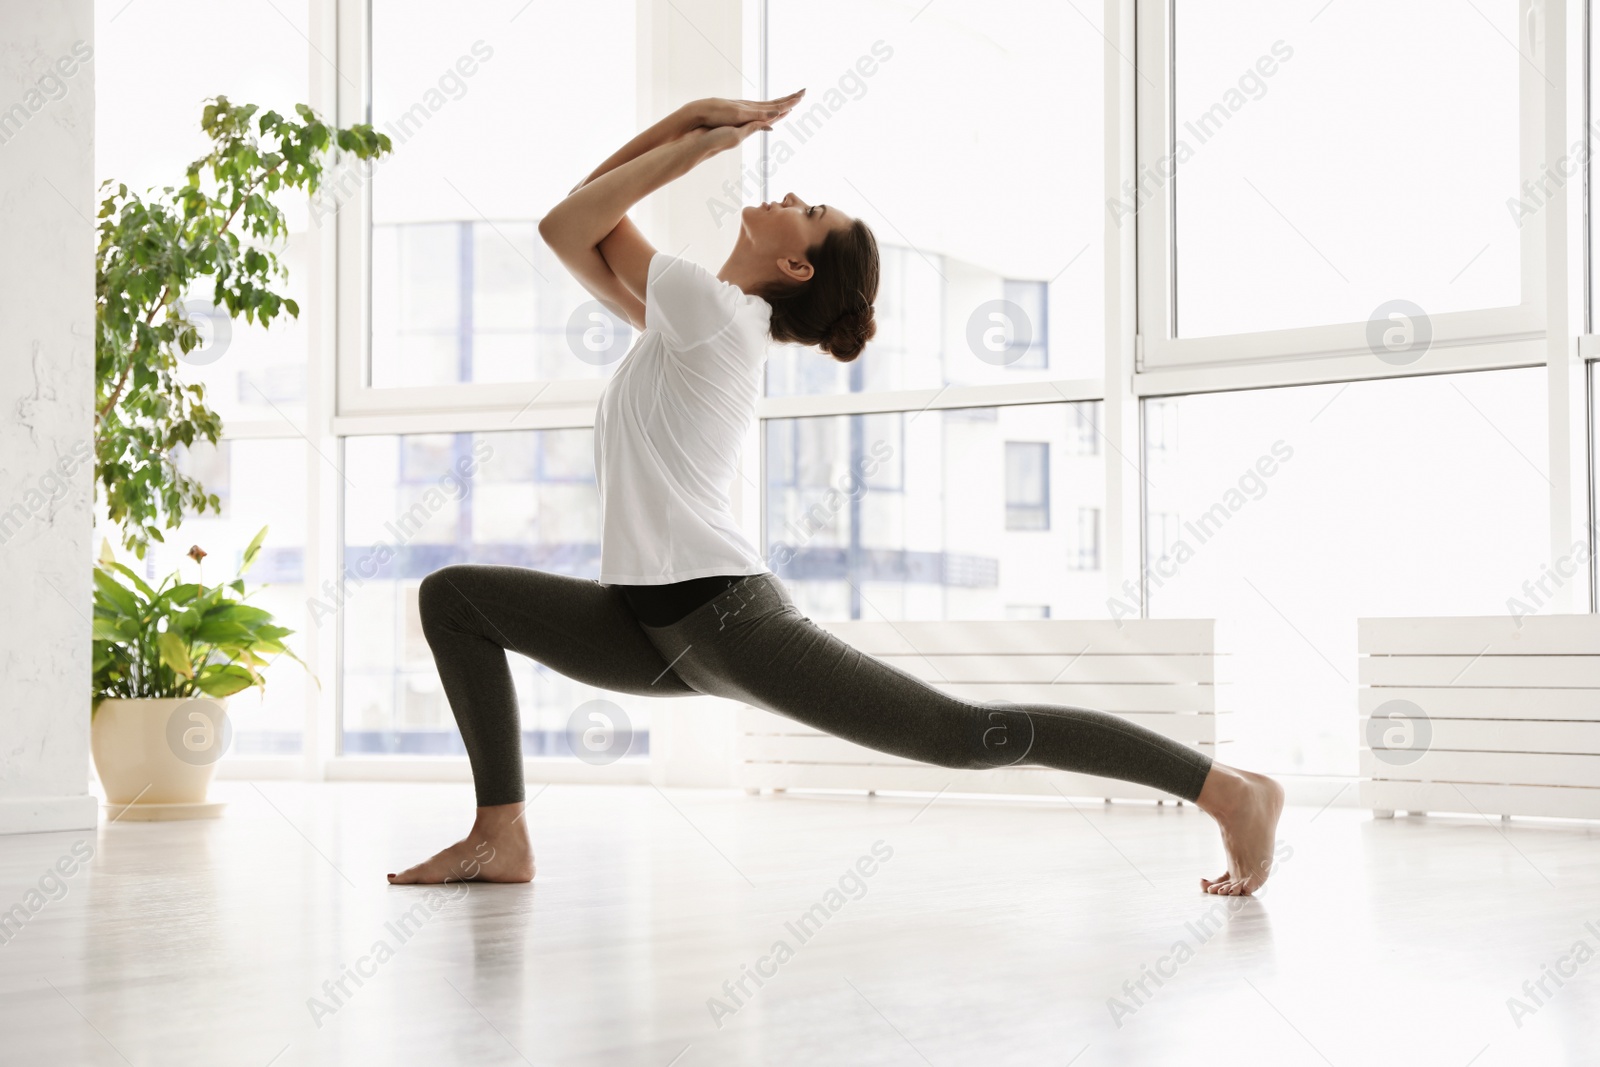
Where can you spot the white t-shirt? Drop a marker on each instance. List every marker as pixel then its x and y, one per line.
pixel 669 427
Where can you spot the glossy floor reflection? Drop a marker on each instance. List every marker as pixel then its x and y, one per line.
pixel 952 933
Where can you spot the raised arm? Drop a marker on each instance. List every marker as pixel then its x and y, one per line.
pixel 589 230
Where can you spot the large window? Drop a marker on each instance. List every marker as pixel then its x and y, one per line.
pixel 1298 194
pixel 495 113
pixel 1323 180
pixel 940 514
pixel 1289 513
pixel 1329 166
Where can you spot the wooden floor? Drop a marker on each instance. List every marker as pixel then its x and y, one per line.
pixel 987 933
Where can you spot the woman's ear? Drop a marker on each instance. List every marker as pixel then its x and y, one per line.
pixel 796 270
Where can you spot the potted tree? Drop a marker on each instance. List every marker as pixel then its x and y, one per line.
pixel 166 658
pixel 221 228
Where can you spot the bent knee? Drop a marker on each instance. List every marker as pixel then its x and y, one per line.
pixel 441 590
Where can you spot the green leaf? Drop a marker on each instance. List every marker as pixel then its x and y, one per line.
pixel 179 595
pixel 215 632
pixel 174 653
pixel 138 582
pixel 107 630
pixel 243 614
pixel 252 551
pixel 224 680
pixel 115 593
pixel 184 623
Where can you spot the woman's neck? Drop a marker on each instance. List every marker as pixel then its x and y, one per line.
pixel 746 271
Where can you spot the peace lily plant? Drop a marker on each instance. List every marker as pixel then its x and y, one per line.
pixel 166 658
pixel 179 639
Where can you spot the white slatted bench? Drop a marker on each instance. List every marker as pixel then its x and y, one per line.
pixel 1481 715
pixel 1161 673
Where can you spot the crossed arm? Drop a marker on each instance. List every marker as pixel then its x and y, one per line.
pixel 590 231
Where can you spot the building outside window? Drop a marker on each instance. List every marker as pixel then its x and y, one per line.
pixel 1027 485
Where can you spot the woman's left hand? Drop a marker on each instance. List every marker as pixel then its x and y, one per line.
pixel 715 112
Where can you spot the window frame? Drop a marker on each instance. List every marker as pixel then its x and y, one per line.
pixel 1462 340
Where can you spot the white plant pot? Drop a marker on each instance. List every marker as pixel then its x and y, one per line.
pixel 155 757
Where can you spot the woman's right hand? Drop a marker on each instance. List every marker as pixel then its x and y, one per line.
pixel 714 139
pixel 716 112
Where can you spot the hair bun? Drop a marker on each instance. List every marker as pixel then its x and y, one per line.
pixel 850 333
pixel 833 310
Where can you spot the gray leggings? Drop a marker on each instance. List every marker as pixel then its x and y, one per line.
pixel 749 644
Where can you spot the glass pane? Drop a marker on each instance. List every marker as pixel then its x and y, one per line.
pixel 1591 207
pixel 1289 513
pixel 989 219
pixel 155 65
pixel 1591 573
pixel 419 502
pixel 1333 157
pixel 1027 485
pixel 260 483
pixel 972 513
pixel 478 108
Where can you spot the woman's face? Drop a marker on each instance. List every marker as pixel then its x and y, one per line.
pixel 785 229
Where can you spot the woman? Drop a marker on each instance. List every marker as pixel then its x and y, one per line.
pixel 684 603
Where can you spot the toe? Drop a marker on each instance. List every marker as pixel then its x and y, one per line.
pixel 411 875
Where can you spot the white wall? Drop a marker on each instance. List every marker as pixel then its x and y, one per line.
pixel 46 400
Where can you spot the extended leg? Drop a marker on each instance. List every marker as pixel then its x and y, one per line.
pixel 751 644
pixel 767 654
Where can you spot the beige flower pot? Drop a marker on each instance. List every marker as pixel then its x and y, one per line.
pixel 155 757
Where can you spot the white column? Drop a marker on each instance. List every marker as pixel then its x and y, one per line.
pixel 331 35
pixel 47 202
pixel 691 49
pixel 1121 410
pixel 1558 39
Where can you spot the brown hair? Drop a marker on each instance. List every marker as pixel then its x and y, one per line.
pixel 832 311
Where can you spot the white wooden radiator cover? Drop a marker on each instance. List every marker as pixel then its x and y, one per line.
pixel 1481 714
pixel 1163 673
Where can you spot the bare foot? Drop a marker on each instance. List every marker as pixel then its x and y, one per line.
pixel 497 850
pixel 1246 806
